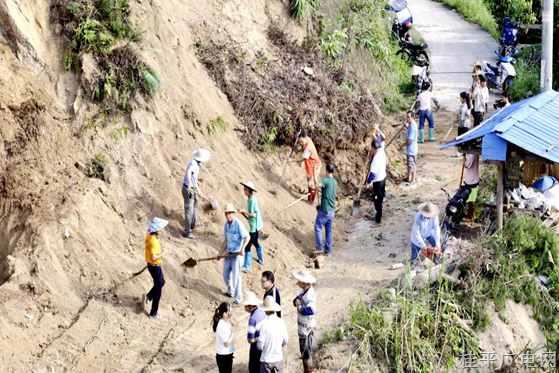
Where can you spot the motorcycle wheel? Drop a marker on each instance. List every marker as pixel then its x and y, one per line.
pixel 422 59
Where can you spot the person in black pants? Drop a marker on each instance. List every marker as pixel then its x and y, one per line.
pixel 377 177
pixel 152 254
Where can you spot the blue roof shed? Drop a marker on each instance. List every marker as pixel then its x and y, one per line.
pixel 531 124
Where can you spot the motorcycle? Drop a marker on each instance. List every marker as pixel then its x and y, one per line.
pixel 501 75
pixel 403 21
pixel 509 38
pixel 421 77
pixel 414 53
pixel 454 213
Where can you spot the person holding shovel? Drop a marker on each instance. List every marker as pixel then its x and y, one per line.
pixel 311 162
pixel 254 217
pixel 152 254
pixel 376 177
pixel 325 212
pixel 236 238
pixel 426 232
pixel 191 190
pixel 305 303
pixel 255 320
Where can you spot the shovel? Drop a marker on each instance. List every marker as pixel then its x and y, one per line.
pixel 294 202
pixel 190 263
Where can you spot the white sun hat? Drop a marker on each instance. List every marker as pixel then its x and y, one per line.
pixel 157 224
pixel 230 208
pixel 250 185
pixel 251 299
pixel 270 305
pixel 428 209
pixel 201 155
pixel 304 277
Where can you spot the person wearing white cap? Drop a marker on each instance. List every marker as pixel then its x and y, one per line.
pixel 305 303
pixel 254 217
pixel 255 320
pixel 191 189
pixel 425 232
pixel 236 238
pixel 152 254
pixel 272 339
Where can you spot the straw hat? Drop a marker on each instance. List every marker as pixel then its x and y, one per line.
pixel 251 299
pixel 201 155
pixel 270 305
pixel 250 185
pixel 428 209
pixel 304 277
pixel 157 224
pixel 230 208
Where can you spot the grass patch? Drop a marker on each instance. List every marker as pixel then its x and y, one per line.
pixel 96 167
pixel 216 126
pixel 300 8
pixel 528 70
pixel 475 11
pixel 97 34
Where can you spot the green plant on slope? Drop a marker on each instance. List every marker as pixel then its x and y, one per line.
pixel 299 8
pixel 475 11
pixel 216 126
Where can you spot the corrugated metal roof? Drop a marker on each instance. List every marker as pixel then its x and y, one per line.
pixel 531 124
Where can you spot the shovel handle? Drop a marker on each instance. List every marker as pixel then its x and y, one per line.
pixel 210 258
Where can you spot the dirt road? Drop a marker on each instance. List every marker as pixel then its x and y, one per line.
pixel 454 44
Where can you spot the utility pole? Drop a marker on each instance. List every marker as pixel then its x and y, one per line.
pixel 547 46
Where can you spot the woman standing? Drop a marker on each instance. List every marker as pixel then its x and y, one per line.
pixel 152 254
pixel 223 330
pixel 464 113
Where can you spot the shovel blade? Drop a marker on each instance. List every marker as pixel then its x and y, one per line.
pixel 190 263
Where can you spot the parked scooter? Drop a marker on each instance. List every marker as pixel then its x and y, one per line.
pixel 454 213
pixel 501 75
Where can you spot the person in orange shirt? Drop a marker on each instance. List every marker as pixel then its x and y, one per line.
pixel 152 254
pixel 311 162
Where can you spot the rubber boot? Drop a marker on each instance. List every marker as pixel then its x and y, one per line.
pixel 260 254
pixel 420 136
pixel 247 266
pixel 432 134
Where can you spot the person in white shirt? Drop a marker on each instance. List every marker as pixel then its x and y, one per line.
pixel 376 177
pixel 305 303
pixel 480 96
pixel 191 190
pixel 223 330
pixel 464 113
pixel 423 104
pixel 272 339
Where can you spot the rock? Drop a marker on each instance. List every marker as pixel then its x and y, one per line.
pixel 66 234
pixel 308 70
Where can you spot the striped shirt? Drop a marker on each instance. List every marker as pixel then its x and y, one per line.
pixel 306 312
pixel 254 324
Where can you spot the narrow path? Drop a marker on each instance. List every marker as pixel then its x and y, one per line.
pixel 455 45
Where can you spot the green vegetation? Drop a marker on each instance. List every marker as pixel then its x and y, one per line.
pixel 96 167
pixel 359 39
pixel 216 126
pixel 300 8
pixel 475 11
pixel 102 29
pixel 527 82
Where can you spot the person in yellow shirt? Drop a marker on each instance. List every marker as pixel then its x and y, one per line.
pixel 152 253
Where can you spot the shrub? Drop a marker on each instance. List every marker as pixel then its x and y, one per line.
pixel 216 126
pixel 299 8
pixel 475 11
pixel 527 81
pixel 96 167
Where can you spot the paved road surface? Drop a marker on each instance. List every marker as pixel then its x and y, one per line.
pixel 455 45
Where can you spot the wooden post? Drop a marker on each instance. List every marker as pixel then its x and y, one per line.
pixel 500 194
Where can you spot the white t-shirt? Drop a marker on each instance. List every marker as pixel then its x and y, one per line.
pixel 378 165
pixel 464 116
pixel 223 336
pixel 481 98
pixel 424 99
pixel 272 338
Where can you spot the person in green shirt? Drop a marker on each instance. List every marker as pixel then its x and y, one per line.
pixel 254 217
pixel 325 212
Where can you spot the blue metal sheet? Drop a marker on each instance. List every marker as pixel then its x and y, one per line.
pixel 531 124
pixel 493 148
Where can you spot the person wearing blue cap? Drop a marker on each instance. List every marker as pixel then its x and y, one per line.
pixel 152 254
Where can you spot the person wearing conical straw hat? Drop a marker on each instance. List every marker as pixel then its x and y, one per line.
pixel 272 339
pixel 255 320
pixel 425 232
pixel 254 217
pixel 152 254
pixel 305 303
pixel 236 238
pixel 191 189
